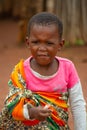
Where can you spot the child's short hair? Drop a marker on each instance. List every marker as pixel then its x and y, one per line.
pixel 45 18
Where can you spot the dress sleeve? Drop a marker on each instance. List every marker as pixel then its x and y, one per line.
pixel 73 77
pixel 78 108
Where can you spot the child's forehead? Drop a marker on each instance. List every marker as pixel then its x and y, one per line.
pixel 51 29
pixel 44 26
pixel 46 31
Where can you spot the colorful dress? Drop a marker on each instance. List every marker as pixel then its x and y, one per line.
pixel 27 88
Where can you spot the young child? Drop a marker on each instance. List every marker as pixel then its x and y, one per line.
pixel 42 85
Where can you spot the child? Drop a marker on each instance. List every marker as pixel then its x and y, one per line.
pixel 42 85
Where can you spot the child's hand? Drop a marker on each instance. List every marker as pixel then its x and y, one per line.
pixel 40 113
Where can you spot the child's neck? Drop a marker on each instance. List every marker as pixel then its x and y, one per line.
pixel 47 70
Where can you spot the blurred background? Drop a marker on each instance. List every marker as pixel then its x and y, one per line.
pixel 72 12
pixel 14 16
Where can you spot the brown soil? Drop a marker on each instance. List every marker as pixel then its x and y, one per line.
pixel 11 53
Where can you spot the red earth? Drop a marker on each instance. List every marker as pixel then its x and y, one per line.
pixel 11 53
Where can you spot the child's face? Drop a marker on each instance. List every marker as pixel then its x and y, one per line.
pixel 44 43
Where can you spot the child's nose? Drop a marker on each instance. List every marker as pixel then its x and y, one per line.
pixel 42 47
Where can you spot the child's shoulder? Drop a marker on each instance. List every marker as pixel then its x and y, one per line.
pixel 64 60
pixel 65 63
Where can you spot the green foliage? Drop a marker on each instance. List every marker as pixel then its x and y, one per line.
pixel 79 42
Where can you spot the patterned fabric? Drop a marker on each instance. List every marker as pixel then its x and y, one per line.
pixel 11 117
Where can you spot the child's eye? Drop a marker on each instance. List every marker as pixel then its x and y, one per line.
pixel 50 43
pixel 34 42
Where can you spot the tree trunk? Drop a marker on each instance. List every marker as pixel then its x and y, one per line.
pixel 74 17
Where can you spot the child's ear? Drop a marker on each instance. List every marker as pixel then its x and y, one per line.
pixel 27 41
pixel 61 44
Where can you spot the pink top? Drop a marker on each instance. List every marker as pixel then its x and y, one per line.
pixel 65 78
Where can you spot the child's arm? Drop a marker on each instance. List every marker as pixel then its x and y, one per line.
pixel 78 107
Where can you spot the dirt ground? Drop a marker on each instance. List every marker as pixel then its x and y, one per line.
pixel 11 53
